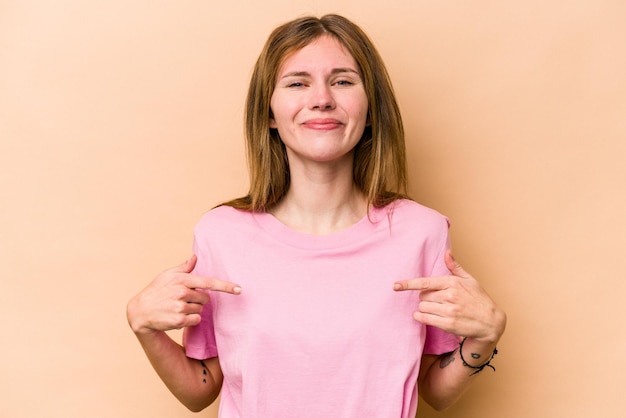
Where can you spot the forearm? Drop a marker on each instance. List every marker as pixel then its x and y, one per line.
pixel 443 379
pixel 196 384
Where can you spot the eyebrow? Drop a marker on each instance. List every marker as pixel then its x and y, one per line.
pixel 333 72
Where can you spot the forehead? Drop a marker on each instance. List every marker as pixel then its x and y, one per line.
pixel 324 52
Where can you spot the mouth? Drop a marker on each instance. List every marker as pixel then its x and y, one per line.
pixel 325 124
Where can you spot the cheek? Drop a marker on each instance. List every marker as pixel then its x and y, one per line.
pixel 279 112
pixel 361 105
pixel 364 112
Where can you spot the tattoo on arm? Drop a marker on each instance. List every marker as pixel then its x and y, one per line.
pixel 447 359
pixel 204 371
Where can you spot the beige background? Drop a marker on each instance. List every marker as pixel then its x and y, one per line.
pixel 120 124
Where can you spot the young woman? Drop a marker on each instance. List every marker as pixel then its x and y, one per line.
pixel 325 291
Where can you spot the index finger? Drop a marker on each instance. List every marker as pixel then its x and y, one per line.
pixel 421 283
pixel 209 283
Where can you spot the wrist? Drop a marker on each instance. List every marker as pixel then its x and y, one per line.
pixel 477 352
pixel 134 319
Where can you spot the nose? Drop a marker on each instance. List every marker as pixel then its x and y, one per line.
pixel 322 97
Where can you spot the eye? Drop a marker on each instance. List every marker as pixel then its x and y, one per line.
pixel 296 84
pixel 344 83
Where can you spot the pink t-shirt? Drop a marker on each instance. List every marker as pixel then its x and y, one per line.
pixel 318 330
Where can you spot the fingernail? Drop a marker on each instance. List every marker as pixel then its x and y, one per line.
pixel 237 290
pixel 397 286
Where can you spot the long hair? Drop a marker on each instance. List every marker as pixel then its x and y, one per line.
pixel 379 156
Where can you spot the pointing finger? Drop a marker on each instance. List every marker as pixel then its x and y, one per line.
pixel 421 283
pixel 207 283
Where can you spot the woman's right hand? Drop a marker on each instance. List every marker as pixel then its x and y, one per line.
pixel 173 300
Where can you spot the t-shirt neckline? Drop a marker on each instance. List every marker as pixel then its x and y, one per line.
pixel 283 233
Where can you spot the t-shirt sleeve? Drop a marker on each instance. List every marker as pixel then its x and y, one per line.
pixel 439 341
pixel 199 340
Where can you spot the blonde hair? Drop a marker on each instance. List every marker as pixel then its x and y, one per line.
pixel 379 156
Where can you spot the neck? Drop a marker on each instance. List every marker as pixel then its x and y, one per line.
pixel 321 200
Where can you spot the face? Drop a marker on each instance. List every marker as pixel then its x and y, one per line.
pixel 319 104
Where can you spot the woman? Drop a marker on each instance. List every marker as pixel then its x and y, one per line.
pixel 325 291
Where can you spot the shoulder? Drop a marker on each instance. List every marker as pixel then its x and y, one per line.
pixel 409 212
pixel 222 218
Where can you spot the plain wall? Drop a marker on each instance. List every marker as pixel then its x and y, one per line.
pixel 121 123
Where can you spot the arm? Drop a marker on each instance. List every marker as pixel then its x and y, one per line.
pixel 195 383
pixel 173 301
pixel 456 304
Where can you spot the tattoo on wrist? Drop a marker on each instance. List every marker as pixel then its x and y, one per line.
pixel 447 359
pixel 204 371
pixel 477 369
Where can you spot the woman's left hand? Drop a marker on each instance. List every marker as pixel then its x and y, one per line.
pixel 457 304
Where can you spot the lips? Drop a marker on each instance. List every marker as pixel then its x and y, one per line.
pixel 324 124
